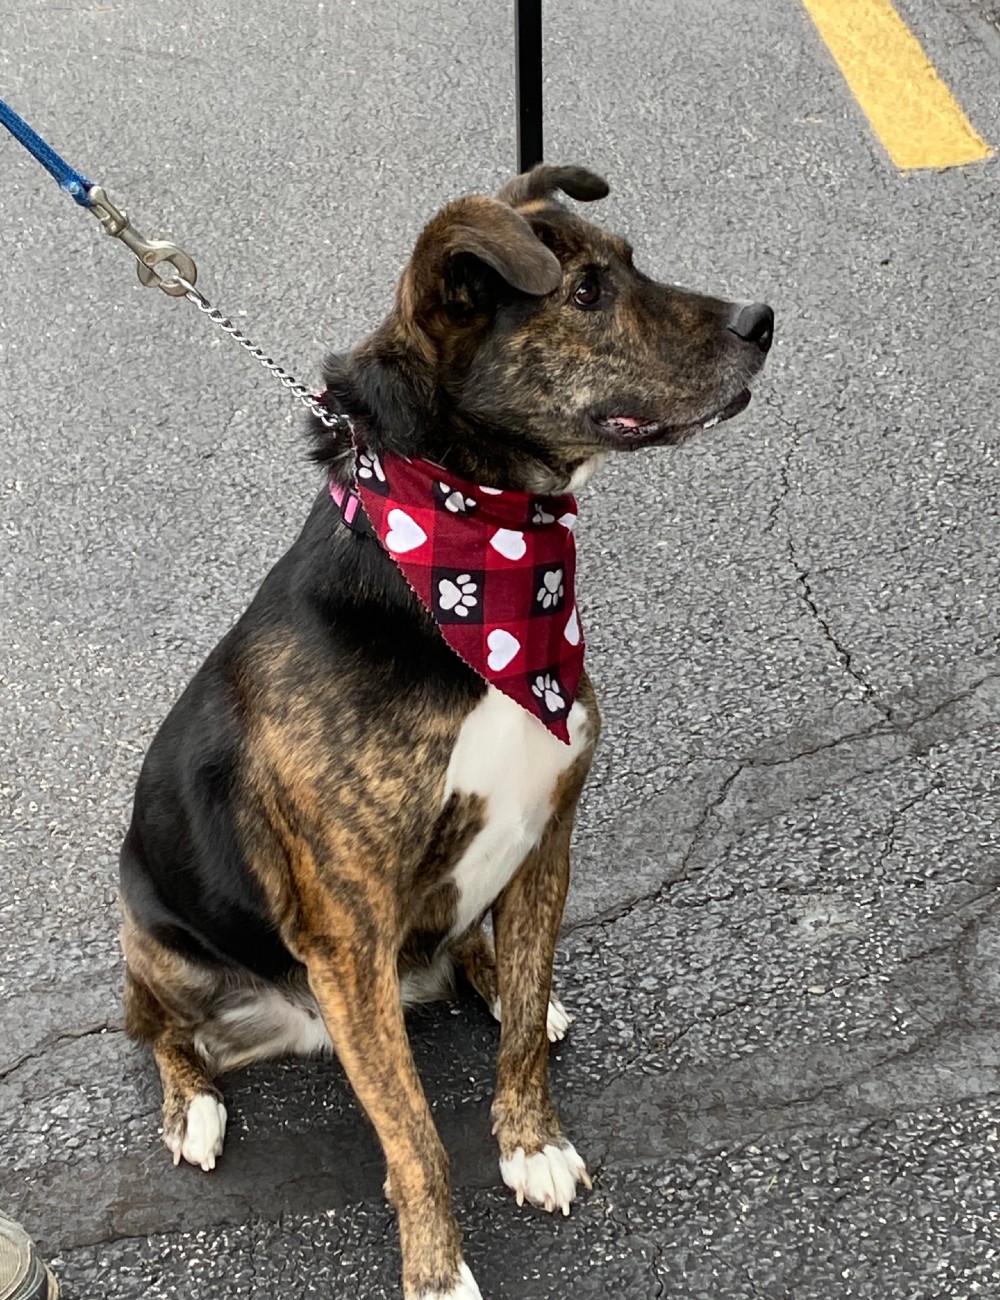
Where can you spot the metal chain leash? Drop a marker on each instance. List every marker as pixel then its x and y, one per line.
pixel 329 419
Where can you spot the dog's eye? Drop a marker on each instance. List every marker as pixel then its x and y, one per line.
pixel 588 292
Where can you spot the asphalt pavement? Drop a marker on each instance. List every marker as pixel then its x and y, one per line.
pixel 783 936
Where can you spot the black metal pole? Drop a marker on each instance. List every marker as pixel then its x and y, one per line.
pixel 528 60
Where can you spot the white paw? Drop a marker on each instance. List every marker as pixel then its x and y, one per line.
pixel 464 1289
pixel 557 1019
pixel 204 1132
pixel 547 1179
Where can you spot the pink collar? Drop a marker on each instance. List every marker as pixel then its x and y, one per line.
pixel 495 569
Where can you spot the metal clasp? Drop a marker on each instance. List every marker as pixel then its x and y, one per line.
pixel 149 253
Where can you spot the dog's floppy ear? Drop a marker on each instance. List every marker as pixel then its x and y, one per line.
pixel 542 180
pixel 475 230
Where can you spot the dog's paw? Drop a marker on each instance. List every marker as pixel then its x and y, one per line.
pixel 547 1179
pixel 557 1019
pixel 198 1138
pixel 464 1289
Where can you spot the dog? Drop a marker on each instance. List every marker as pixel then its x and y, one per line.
pixel 360 772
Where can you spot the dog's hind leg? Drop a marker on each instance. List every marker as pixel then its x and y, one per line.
pixel 477 961
pixel 356 984
pixel 167 998
pixel 476 958
pixel 194 1118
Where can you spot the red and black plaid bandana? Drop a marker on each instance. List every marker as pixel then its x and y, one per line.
pixel 494 568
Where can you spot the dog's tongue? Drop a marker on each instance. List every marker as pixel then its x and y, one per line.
pixel 626 422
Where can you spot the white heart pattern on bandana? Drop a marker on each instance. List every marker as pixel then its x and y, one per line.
pixel 503 647
pixel 404 534
pixel 509 543
pixel 572 630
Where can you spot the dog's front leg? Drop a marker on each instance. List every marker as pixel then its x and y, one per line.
pixel 536 1160
pixel 356 985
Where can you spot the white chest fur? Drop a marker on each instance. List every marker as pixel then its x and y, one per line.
pixel 512 761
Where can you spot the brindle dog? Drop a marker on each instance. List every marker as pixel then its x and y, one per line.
pixel 315 805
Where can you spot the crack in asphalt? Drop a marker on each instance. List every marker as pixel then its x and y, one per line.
pixel 240 1200
pixel 951 947
pixel 897 814
pixel 888 727
pixel 54 1041
pixel 961 1016
pixel 648 1247
pixel 783 468
pixel 805 593
pixel 625 909
pixel 773 1134
pixel 967 932
pixel 947 1025
pixel 662 1045
pixel 951 701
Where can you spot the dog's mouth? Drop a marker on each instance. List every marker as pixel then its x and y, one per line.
pixel 633 431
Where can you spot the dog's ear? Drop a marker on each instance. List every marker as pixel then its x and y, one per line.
pixel 543 180
pixel 448 267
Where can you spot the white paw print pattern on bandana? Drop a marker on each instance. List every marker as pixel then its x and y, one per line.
pixel 551 590
pixel 457 502
pixel 370 467
pixel 458 595
pixel 547 689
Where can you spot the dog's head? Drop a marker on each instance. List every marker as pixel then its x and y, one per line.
pixel 524 343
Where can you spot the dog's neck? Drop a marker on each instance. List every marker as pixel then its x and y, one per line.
pixel 396 411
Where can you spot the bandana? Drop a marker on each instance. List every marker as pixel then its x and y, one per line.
pixel 494 568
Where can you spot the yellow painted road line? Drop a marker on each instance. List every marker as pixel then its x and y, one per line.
pixel 910 108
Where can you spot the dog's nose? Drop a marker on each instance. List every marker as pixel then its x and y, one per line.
pixel 753 322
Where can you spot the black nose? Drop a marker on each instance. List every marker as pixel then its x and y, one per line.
pixel 754 322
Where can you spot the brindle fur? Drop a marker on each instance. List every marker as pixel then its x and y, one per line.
pixel 290 834
pixel 526 919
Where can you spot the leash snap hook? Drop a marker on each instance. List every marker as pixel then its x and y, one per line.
pixel 149 253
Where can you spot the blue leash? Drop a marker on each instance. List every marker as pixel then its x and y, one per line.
pixel 148 253
pixel 66 177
